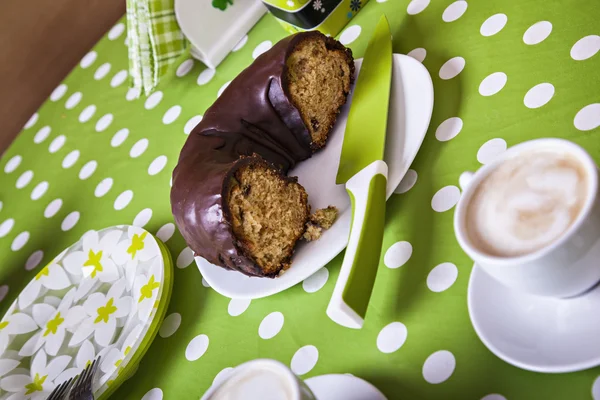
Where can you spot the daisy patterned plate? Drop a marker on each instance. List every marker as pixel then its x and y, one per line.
pixel 104 296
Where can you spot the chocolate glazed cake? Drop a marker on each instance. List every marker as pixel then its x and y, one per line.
pixel 231 198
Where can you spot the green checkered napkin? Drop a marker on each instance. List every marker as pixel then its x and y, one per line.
pixel 155 41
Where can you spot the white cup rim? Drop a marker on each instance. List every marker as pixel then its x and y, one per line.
pixel 535 144
pixel 290 377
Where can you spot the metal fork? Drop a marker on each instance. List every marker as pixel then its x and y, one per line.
pixel 82 386
pixel 61 390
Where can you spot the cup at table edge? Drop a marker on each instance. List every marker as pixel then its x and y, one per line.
pixel 568 266
pixel 300 390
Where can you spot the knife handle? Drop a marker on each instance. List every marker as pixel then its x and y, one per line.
pixel 352 292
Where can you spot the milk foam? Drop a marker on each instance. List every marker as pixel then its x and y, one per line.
pixel 526 203
pixel 261 383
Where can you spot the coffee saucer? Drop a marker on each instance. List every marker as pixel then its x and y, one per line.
pixel 540 334
pixel 342 387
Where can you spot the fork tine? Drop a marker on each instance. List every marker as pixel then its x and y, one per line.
pixel 60 390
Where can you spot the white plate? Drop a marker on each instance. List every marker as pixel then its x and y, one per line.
pixel 411 104
pixel 342 387
pixel 539 334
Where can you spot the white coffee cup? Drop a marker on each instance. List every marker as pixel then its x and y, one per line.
pixel 260 379
pixel 569 265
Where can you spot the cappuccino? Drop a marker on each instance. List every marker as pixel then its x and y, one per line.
pixel 526 203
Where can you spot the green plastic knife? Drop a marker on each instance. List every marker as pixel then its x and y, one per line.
pixel 364 172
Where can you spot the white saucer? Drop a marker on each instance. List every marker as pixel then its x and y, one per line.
pixel 342 387
pixel 535 333
pixel 411 105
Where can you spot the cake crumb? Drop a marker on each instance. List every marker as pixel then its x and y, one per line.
pixel 312 233
pixel 321 219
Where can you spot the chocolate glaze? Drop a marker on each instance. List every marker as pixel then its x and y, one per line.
pixel 253 119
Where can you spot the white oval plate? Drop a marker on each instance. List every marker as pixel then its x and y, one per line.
pixel 411 105
pixel 540 334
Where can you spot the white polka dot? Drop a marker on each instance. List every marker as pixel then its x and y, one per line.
pixel 104 122
pixel 398 254
pixel 53 208
pixel 448 129
pixel 492 84
pixel 73 100
pixel 166 231
pixel 153 394
pixel 39 190
pixel 88 169
pixel 261 48
pixel 34 260
pixel 123 200
pixel 185 68
pixel 170 325
pixel 418 54
pixel 409 180
pixel 102 71
pixel 185 258
pixel 464 179
pixel 31 121
pixel 304 360
pixel 103 187
pixel 171 115
pixel 70 159
pixel 537 32
pixel 119 78
pixel 196 348
pixel 58 92
pixel 87 113
pixel 588 117
pixel 119 137
pixel 271 325
pixel 493 24
pixel 381 1
pixel 221 376
pixel 70 221
pixel 539 95
pixel 445 198
pixel 139 148
pixel 350 34
pixel 157 165
pixel 57 144
pixel 3 292
pixel 442 277
pixel 493 396
pixel 241 43
pixel 42 134
pixel 416 6
pixel 452 67
pixel 12 164
pixel 191 124
pixel 20 241
pixel 595 388
pixel 153 100
pixel 142 218
pixel 116 31
pixel 132 94
pixel 490 150
pixel 205 76
pixel 6 226
pixel 88 59
pixel 439 366
pixel 24 179
pixel 391 337
pixel 454 11
pixel 222 89
pixel 238 306
pixel 316 281
pixel 585 48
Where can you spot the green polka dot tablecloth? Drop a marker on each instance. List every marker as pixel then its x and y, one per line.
pixel 504 71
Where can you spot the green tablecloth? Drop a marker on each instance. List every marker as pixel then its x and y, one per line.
pixel 108 159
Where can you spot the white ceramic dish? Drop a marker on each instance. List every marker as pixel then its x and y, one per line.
pixel 411 105
pixel 541 334
pixel 342 387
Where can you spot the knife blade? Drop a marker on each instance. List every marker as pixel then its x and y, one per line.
pixel 364 173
